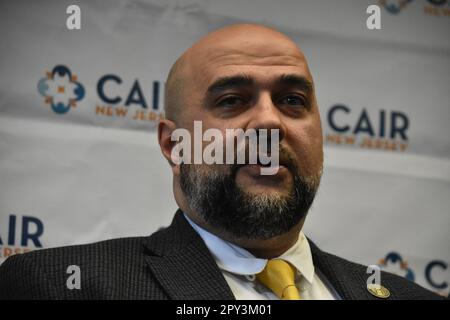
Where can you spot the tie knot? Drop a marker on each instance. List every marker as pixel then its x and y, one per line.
pixel 279 276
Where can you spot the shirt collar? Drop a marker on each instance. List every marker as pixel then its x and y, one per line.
pixel 237 260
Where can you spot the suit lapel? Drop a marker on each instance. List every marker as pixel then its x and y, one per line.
pixel 183 265
pixel 347 278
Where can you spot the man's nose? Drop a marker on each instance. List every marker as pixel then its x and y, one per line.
pixel 266 115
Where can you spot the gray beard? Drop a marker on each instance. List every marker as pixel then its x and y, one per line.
pixel 224 206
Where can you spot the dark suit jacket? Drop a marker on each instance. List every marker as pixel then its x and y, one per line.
pixel 173 263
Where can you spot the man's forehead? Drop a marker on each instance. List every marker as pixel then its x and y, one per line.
pixel 252 57
pixel 253 50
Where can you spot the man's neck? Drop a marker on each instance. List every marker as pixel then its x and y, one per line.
pixel 273 247
pixel 265 249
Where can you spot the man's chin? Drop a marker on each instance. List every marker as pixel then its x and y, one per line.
pixel 265 191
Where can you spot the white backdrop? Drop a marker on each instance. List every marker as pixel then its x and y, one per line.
pixel 92 171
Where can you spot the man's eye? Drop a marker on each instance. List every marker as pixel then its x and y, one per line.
pixel 293 101
pixel 230 102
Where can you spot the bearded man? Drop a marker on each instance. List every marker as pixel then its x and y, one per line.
pixel 237 233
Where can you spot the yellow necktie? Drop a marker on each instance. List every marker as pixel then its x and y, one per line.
pixel 279 276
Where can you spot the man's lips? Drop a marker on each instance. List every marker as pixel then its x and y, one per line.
pixel 255 170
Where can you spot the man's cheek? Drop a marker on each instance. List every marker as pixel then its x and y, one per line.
pixel 313 141
pixel 309 155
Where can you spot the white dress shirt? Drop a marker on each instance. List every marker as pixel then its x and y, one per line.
pixel 239 267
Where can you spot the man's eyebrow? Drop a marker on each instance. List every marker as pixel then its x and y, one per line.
pixel 230 82
pixel 296 81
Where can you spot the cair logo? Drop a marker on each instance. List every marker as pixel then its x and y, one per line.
pixel 375 129
pixel 394 6
pixel 437 8
pixel 117 97
pixel 394 263
pixel 434 273
pixel 22 234
pixel 61 89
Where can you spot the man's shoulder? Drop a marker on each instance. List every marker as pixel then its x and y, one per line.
pixel 350 278
pixel 100 250
pixel 112 269
pixel 43 273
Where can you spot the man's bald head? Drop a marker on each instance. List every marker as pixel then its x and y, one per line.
pixel 174 91
pixel 251 40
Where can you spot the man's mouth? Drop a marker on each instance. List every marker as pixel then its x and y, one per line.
pixel 255 170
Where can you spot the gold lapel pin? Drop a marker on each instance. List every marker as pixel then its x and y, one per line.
pixel 378 291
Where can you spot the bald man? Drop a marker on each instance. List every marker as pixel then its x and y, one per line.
pixel 237 233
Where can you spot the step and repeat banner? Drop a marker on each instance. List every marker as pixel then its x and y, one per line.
pixel 79 158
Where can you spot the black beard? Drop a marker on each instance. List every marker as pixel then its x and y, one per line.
pixel 224 206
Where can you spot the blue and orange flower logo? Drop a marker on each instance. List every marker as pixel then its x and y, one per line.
pixel 394 263
pixel 61 89
pixel 394 6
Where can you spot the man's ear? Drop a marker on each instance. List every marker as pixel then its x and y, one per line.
pixel 165 129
